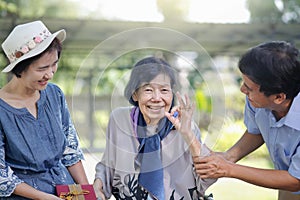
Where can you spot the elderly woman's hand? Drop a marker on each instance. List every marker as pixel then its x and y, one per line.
pixel 183 122
pixel 98 185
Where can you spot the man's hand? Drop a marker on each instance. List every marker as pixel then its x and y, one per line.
pixel 213 166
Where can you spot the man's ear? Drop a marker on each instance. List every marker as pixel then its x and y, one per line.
pixel 279 98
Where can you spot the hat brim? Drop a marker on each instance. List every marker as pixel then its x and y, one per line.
pixel 60 35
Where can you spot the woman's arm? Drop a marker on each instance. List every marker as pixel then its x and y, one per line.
pixel 27 191
pixel 245 145
pixel 78 173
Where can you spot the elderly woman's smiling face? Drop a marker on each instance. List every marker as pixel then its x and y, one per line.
pixel 154 98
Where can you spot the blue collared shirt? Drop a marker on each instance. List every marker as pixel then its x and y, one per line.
pixel 282 137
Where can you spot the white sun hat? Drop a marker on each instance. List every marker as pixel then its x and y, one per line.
pixel 28 40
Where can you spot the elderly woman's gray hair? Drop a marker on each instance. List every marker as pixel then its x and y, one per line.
pixel 146 70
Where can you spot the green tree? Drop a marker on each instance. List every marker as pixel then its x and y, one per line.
pixel 37 8
pixel 7 8
pixel 173 10
pixel 291 11
pixel 274 11
pixel 61 9
pixel 264 11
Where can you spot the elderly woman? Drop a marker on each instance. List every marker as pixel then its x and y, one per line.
pixel 39 148
pixel 150 146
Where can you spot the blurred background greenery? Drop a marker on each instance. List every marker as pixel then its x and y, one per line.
pixel 93 69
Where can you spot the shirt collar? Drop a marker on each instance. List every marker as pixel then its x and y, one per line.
pixel 293 116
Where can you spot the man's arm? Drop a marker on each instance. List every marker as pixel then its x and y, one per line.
pixel 219 165
pixel 215 166
pixel 244 146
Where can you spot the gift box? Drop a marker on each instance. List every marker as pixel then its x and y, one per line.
pixel 76 192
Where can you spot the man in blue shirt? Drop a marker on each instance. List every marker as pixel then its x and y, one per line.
pixel 271 83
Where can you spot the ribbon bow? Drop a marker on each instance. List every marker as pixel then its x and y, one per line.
pixel 75 191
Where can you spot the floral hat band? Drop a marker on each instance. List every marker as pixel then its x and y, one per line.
pixel 31 44
pixel 28 40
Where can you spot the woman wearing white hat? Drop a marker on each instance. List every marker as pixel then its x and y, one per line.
pixel 38 143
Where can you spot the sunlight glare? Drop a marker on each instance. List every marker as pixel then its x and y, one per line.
pixel 129 10
pixel 218 11
pixel 201 11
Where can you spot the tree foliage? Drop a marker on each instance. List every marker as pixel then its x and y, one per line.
pixel 291 11
pixel 263 11
pixel 7 8
pixel 173 10
pixel 274 11
pixel 266 11
pixel 64 9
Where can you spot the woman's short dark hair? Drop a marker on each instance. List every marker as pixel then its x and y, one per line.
pixel 274 66
pixel 23 65
pixel 146 70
